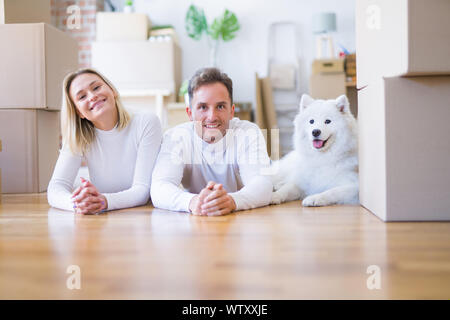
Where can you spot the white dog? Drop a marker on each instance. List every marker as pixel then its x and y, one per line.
pixel 323 167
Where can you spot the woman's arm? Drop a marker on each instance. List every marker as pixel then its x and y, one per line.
pixel 59 191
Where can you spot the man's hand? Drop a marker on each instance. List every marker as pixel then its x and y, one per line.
pixel 87 199
pixel 218 202
pixel 197 201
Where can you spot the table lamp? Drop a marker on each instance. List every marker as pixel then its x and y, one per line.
pixel 323 24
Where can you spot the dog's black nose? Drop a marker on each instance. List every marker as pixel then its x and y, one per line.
pixel 316 132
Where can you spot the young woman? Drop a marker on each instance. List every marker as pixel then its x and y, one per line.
pixel 120 150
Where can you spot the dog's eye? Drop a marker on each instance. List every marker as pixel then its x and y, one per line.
pixel 327 121
pixel 311 121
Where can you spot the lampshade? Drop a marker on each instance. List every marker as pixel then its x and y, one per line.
pixel 324 22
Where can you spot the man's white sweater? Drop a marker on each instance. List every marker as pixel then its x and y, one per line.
pixel 186 163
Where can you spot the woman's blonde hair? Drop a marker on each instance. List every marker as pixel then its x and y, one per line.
pixel 78 133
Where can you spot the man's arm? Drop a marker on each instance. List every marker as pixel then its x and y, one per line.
pixel 257 192
pixel 252 160
pixel 166 192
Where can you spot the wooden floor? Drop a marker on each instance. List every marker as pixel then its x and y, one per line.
pixel 277 252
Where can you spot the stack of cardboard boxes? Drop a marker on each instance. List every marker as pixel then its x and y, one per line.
pixel 140 68
pixel 350 67
pixel 403 76
pixel 327 79
pixel 25 11
pixel 34 59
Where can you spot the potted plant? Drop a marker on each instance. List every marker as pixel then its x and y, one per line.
pixel 223 27
pixel 183 92
pixel 128 7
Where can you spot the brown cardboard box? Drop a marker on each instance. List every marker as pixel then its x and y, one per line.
pixel 327 66
pixel 25 11
pixel 139 64
pixel 30 142
pixel 34 60
pixel 327 85
pixel 243 110
pixel 119 26
pixel 266 116
pixel 404 150
pixel 350 65
pixel 401 37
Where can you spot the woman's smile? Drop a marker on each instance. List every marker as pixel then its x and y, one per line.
pixel 97 104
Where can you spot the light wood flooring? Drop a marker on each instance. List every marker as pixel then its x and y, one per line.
pixel 276 252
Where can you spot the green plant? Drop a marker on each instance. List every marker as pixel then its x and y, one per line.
pixel 184 88
pixel 129 2
pixel 223 27
pixel 195 22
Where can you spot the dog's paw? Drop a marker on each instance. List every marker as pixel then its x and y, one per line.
pixel 315 200
pixel 276 198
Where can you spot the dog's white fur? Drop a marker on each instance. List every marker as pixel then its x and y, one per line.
pixel 324 176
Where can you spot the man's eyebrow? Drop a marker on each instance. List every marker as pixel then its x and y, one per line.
pixel 217 103
pixel 90 84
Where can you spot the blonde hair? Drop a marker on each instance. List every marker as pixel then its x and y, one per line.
pixel 78 133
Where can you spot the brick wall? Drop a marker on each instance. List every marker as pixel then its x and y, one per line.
pixel 85 32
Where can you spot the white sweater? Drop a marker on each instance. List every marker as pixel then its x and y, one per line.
pixel 120 165
pixel 237 161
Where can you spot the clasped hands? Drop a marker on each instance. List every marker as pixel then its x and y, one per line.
pixel 87 200
pixel 213 200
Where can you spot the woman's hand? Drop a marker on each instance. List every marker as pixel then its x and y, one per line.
pixel 87 200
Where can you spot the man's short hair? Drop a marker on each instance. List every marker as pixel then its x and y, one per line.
pixel 206 76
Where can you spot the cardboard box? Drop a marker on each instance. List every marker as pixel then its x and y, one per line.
pixel 265 114
pixel 34 60
pixel 327 66
pixel 352 95
pixel 350 65
pixel 402 38
pixel 119 26
pixel 327 85
pixel 139 65
pixel 25 11
pixel 243 110
pixel 404 150
pixel 30 141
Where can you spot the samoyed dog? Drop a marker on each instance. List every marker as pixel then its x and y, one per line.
pixel 322 169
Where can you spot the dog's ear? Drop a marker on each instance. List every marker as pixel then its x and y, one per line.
pixel 305 102
pixel 342 103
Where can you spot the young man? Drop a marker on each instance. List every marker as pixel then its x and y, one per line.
pixel 219 160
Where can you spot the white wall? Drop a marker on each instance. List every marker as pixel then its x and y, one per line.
pixel 248 52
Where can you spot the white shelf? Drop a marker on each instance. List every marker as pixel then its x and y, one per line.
pixel 159 94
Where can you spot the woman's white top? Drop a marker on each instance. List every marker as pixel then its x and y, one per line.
pixel 238 161
pixel 120 165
